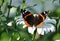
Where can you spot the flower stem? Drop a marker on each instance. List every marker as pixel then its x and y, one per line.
pixel 23 4
pixel 9 8
pixel 0 8
pixel 33 37
pixel 37 35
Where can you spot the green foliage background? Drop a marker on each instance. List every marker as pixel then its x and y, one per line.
pixel 17 33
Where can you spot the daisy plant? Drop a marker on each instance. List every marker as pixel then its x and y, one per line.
pixel 46 27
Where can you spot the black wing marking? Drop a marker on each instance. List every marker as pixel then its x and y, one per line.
pixel 28 18
pixel 39 19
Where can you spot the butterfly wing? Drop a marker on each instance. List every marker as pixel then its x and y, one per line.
pixel 39 19
pixel 28 18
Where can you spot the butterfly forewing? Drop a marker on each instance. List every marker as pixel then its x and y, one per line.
pixel 29 19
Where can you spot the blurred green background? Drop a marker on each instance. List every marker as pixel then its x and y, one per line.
pixel 10 10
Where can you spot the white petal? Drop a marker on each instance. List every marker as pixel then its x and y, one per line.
pixel 24 26
pixel 17 23
pixel 35 15
pixel 40 31
pixel 31 29
pixel 46 28
pixel 53 21
pixel 20 20
pixel 48 20
pixel 52 28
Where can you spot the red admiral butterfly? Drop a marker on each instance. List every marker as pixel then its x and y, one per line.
pixel 31 20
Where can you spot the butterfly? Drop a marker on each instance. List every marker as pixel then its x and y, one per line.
pixel 30 19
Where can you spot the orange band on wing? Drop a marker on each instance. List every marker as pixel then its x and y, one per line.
pixel 27 23
pixel 42 16
pixel 27 15
pixel 39 25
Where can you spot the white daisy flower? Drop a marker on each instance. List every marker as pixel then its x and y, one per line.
pixel 20 20
pixel 45 28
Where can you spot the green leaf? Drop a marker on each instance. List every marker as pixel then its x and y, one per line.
pixel 0 2
pixel 23 4
pixel 0 12
pixel 5 6
pixel 58 23
pixel 1 29
pixel 3 18
pixel 18 11
pixel 56 37
pixel 4 37
pixel 15 36
pixel 58 11
pixel 24 35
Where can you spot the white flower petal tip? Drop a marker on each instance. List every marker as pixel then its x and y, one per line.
pixel 40 31
pixel 24 26
pixel 35 14
pixel 17 23
pixel 31 29
pixel 20 22
pixel 45 29
pixel 48 20
pixel 52 28
pixel 53 21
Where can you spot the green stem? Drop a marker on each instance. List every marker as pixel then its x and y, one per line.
pixel 9 9
pixel 58 24
pixel 10 2
pixel 37 36
pixel 33 37
pixel 8 12
pixel 0 8
pixel 23 4
pixel 0 11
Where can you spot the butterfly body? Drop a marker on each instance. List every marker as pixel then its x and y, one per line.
pixel 31 20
